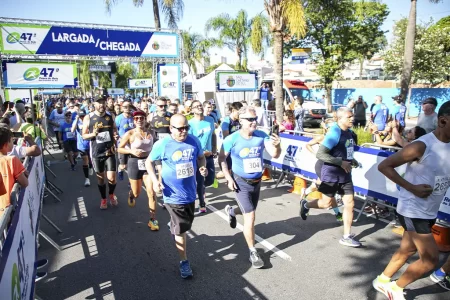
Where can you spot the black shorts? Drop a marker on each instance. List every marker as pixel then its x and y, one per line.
pixel 123 159
pixel 247 194
pixel 330 189
pixel 318 167
pixel 134 167
pixel 70 146
pixel 421 226
pixel 84 152
pixel 104 163
pixel 181 217
pixel 361 123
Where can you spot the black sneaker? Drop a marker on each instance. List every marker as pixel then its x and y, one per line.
pixel 231 219
pixel 40 276
pixel 41 263
pixel 256 260
pixel 303 210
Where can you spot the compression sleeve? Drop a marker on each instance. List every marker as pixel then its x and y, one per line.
pixel 324 155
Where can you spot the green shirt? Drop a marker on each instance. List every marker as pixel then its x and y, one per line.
pixel 32 130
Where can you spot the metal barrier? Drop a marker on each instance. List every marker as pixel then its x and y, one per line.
pixel 380 147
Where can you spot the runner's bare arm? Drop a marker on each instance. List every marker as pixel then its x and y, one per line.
pixel 223 163
pixel 85 131
pixel 398 138
pixel 74 124
pixel 125 140
pixel 273 146
pixel 314 141
pixel 214 143
pixel 201 161
pixel 149 165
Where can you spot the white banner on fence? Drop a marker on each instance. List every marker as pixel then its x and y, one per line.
pixel 236 81
pixel 114 91
pixel 19 94
pixel 20 247
pixel 367 180
pixel 142 83
pixel 169 81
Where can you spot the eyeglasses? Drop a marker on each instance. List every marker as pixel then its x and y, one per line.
pixel 183 128
pixel 139 118
pixel 250 119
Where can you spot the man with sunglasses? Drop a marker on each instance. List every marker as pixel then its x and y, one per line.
pixel 124 122
pixel 203 127
pixel 83 147
pixel 246 147
pixel 160 120
pixel 181 155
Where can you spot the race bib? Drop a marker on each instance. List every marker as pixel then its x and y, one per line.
pixel 252 165
pixel 70 135
pixel 141 165
pixel 350 151
pixel 185 170
pixel 162 135
pixel 103 137
pixel 441 185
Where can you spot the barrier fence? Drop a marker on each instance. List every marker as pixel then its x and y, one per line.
pixel 19 244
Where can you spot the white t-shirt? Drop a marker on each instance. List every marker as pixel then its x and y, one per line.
pixel 433 169
pixel 18 151
pixel 429 123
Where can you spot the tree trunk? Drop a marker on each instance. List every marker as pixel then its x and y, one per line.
pixel 239 60
pixel 156 15
pixel 278 68
pixel 361 64
pixel 409 50
pixel 328 105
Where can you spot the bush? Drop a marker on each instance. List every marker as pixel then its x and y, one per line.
pixel 363 136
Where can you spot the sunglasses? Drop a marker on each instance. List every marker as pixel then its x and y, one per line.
pixel 162 106
pixel 183 128
pixel 139 118
pixel 250 119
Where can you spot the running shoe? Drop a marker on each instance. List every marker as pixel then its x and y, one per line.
pixel 339 217
pixel 87 182
pixel 40 276
pixel 120 175
pixel 394 295
pixel 103 204
pixel 231 219
pixel 131 199
pixel 303 210
pixel 153 225
pixel 185 269
pixel 350 241
pixel 215 183
pixel 113 200
pixel 256 260
pixel 380 286
pixel 41 263
pixel 444 283
pixel 202 210
pixel 91 171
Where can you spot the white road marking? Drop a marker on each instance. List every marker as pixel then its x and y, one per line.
pixel 260 240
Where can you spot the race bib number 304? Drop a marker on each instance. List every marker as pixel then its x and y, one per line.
pixel 185 170
pixel 441 185
pixel 252 165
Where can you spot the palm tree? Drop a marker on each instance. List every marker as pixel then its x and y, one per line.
pixel 172 10
pixel 195 49
pixel 284 15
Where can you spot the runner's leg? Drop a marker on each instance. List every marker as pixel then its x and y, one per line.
pixel 180 242
pixel 349 203
pixel 323 203
pixel 406 250
pixel 151 196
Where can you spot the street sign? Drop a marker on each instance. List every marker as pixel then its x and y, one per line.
pixel 100 68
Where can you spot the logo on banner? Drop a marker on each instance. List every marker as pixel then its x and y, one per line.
pixel 31 74
pixel 291 152
pixel 164 72
pixel 155 46
pixel 44 74
pixel 169 84
pixel 15 283
pixel 24 38
pixel 231 81
pixel 140 83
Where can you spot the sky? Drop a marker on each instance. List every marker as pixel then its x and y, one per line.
pixel 196 13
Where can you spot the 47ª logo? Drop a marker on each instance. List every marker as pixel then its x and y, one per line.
pixel 34 73
pixel 24 38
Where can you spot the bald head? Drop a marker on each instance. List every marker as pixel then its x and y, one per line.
pixel 178 120
pixel 179 127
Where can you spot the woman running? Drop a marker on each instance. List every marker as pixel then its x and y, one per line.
pixel 138 143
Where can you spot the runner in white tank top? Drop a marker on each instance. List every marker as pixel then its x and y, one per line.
pixel 423 187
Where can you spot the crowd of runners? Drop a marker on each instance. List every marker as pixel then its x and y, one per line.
pixel 169 148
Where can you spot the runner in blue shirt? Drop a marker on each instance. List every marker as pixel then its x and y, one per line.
pixel 380 113
pixel 246 148
pixel 69 139
pixel 181 155
pixel 264 95
pixel 124 122
pixel 399 113
pixel 83 147
pixel 336 151
pixel 203 128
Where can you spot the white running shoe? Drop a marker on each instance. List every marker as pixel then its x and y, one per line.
pixel 91 171
pixel 87 182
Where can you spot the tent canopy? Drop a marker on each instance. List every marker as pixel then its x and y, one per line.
pixel 208 83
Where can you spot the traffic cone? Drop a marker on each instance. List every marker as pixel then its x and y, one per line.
pixel 266 175
pixel 299 186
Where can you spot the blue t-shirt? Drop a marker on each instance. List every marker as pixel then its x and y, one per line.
pixel 381 114
pixel 230 125
pixel 203 130
pixel 67 134
pixel 152 108
pixel 341 144
pixel 214 116
pixel 179 167
pixel 399 114
pixel 124 124
pixel 264 93
pixel 82 145
pixel 246 155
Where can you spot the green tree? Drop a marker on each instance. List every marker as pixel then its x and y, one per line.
pixel 172 10
pixel 195 49
pixel 431 62
pixel 125 71
pixel 85 76
pixel 145 69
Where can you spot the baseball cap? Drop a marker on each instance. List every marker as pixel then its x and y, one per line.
pixel 430 100
pixel 67 113
pixel 82 113
pixel 139 113
pixel 99 99
pixel 397 98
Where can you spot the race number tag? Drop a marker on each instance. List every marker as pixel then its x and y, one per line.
pixel 141 165
pixel 185 170
pixel 350 151
pixel 103 137
pixel 70 135
pixel 252 165
pixel 441 185
pixel 162 135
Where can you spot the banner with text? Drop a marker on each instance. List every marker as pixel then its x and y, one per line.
pixel 17 269
pixel 142 83
pixel 56 40
pixel 15 95
pixel 27 75
pixel 301 54
pixel 367 180
pixel 116 92
pixel 169 80
pixel 236 81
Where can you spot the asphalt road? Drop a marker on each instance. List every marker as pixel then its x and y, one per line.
pixel 112 254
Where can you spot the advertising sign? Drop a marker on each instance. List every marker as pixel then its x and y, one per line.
pixel 16 95
pixel 301 54
pixel 236 81
pixel 100 68
pixel 116 92
pixel 142 83
pixel 28 75
pixel 56 40
pixel 169 80
pixel 17 269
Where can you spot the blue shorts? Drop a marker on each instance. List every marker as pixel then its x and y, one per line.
pixel 247 194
